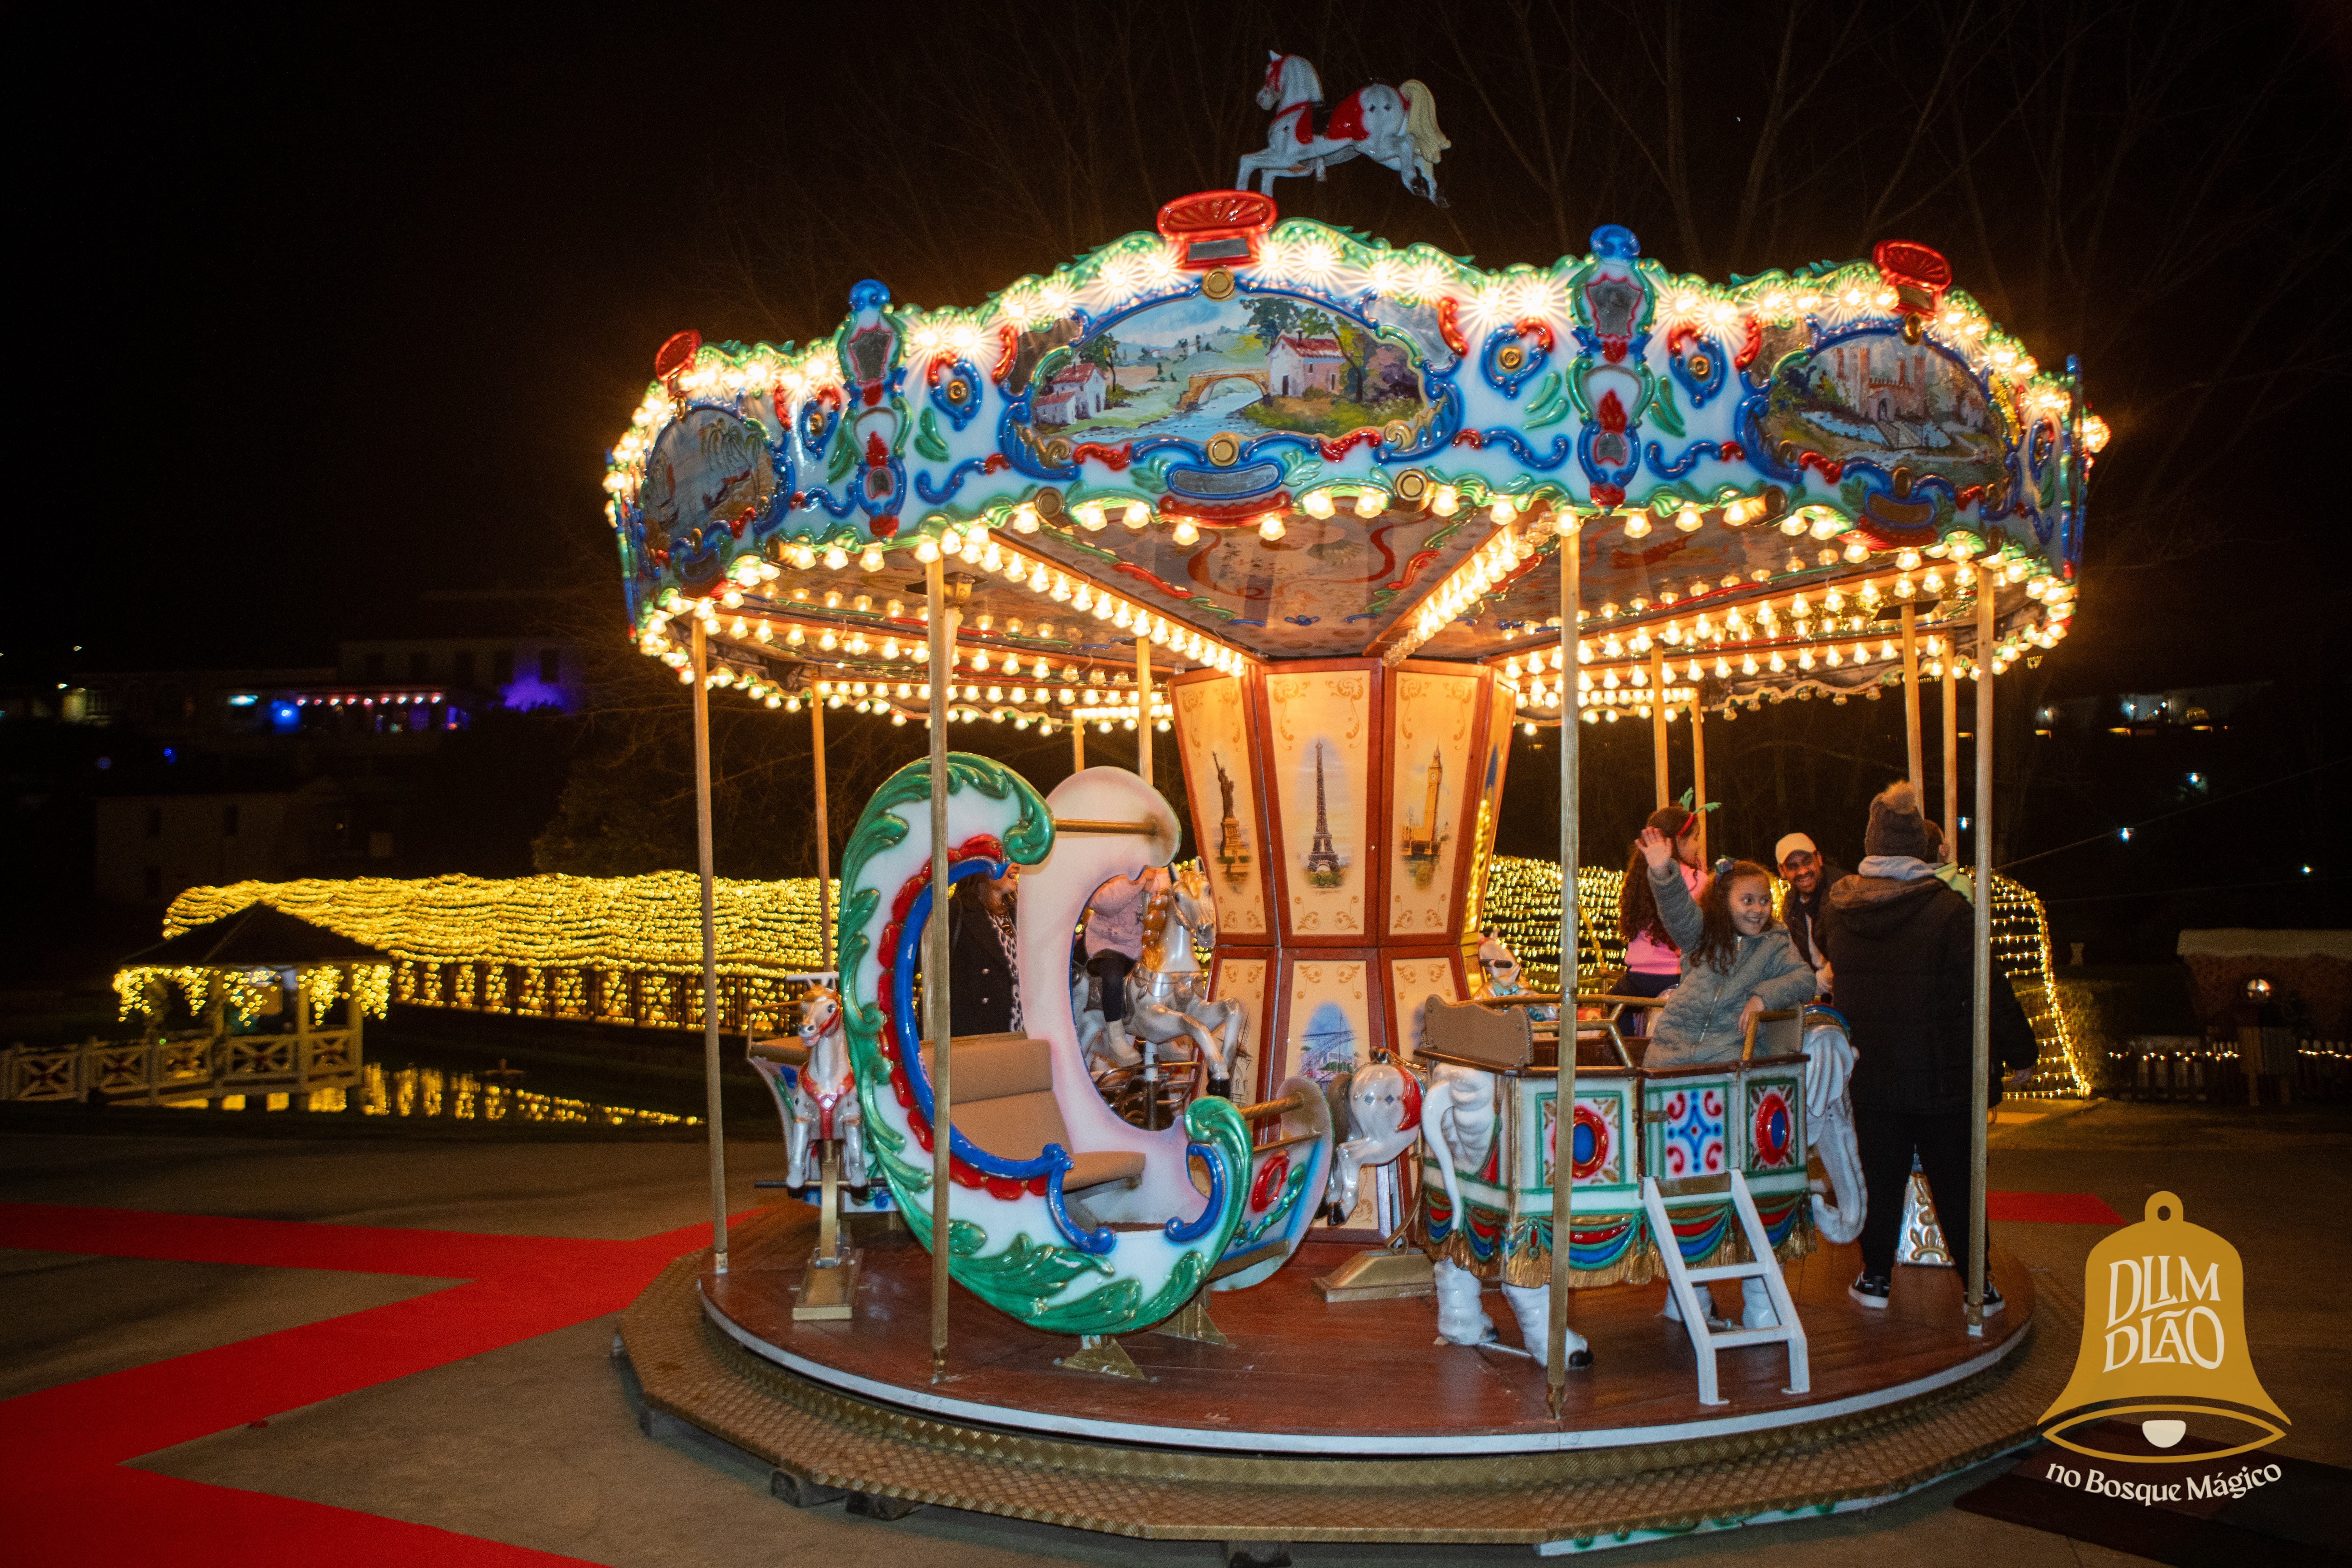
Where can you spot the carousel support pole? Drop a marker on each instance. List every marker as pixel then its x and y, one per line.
pixel 1564 1092
pixel 935 967
pixel 1078 744
pixel 823 840
pixel 1952 755
pixel 1911 694
pixel 1657 722
pixel 1981 1046
pixel 1143 708
pixel 714 1107
pixel 1698 773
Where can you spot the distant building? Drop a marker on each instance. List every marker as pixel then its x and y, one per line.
pixel 308 769
pixel 1298 365
pixel 2147 713
pixel 151 847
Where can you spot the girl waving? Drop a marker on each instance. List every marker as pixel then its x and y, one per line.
pixel 1736 962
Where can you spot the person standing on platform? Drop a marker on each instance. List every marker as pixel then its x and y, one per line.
pixel 984 956
pixel 1652 962
pixel 1902 947
pixel 1115 934
pixel 1810 875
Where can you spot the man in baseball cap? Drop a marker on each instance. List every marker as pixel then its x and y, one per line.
pixel 1810 875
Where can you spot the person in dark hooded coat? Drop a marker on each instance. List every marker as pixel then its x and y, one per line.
pixel 1902 944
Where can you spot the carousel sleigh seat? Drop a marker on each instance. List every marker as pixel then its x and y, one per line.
pixel 1003 1100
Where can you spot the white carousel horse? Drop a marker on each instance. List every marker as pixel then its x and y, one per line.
pixel 1168 992
pixel 1501 967
pixel 824 1100
pixel 1829 1109
pixel 1394 127
pixel 1458 1116
pixel 1383 1121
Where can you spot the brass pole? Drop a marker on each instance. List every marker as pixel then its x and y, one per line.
pixel 823 840
pixel 714 1107
pixel 1077 742
pixel 1698 774
pixel 1657 722
pixel 1143 706
pixel 1911 694
pixel 1564 1090
pixel 1952 751
pixel 935 969
pixel 1981 1047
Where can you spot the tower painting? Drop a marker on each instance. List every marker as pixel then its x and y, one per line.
pixel 1421 842
pixel 1323 867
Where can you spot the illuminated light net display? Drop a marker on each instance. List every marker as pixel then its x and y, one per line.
pixel 629 949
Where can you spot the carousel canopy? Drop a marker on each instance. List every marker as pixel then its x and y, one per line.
pixel 1249 441
pixel 258 937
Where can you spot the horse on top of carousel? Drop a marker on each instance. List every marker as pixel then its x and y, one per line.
pixel 1395 127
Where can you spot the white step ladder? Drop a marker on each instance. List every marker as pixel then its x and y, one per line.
pixel 1682 1280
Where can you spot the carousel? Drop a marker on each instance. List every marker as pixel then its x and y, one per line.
pixel 1296 1251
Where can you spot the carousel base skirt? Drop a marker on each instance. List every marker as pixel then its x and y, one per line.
pixel 1339 1421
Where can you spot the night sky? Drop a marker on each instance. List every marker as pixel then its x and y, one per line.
pixel 327 319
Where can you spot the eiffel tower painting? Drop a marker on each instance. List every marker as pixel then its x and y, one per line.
pixel 1323 867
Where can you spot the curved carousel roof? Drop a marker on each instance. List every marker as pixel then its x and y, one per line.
pixel 1253 440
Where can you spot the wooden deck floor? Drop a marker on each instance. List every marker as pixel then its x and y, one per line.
pixel 1302 1372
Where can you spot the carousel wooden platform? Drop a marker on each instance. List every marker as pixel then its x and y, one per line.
pixel 1338 1421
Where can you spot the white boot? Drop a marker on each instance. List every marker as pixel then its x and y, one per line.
pixel 1673 1313
pixel 1756 1305
pixel 1532 1304
pixel 1460 1320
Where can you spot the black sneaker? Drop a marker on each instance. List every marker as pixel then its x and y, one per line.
pixel 1993 1301
pixel 1870 1290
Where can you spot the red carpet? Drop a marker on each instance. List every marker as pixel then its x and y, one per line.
pixel 62 1449
pixel 2051 1208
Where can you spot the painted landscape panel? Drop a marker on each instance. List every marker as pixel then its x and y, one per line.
pixel 1193 368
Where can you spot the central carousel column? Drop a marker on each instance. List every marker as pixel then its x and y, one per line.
pixel 1344 813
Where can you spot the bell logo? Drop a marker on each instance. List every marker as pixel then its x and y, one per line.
pixel 2163 1340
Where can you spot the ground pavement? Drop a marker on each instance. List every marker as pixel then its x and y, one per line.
pixel 215 1348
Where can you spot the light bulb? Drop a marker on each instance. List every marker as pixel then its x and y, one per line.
pixel 1186 530
pixel 1270 528
pixel 1638 526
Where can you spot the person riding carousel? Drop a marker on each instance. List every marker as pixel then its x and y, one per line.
pixel 984 966
pixel 1652 961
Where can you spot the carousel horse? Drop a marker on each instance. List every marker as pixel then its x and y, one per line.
pixel 1383 1120
pixel 1501 967
pixel 1830 1108
pixel 1168 992
pixel 1459 1119
pixel 1394 127
pixel 824 1099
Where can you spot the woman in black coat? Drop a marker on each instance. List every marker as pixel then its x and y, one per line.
pixel 983 982
pixel 1902 945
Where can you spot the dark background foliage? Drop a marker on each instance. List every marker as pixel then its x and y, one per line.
pixel 325 315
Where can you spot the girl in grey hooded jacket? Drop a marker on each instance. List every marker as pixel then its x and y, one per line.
pixel 1737 961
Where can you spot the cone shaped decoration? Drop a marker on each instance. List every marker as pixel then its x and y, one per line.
pixel 2164 1339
